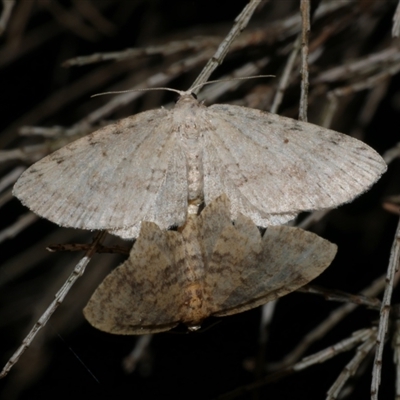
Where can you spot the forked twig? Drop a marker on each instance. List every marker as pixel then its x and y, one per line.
pixel 325 326
pixel 352 366
pixel 360 336
pixel 59 297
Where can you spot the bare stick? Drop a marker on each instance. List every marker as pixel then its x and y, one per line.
pixel 369 82
pixel 351 368
pixel 396 356
pixel 363 65
pixel 344 345
pixel 325 326
pixel 176 46
pixel 338 295
pixel 241 22
pixel 84 247
pixel 305 32
pixel 59 297
pixel 284 81
pixel 385 309
pixel 347 344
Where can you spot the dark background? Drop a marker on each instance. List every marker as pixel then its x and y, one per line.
pixel 69 358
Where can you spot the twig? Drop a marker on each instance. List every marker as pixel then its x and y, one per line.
pixel 351 368
pixel 72 247
pixel 213 91
pixel 305 32
pixel 338 295
pixel 371 62
pixel 344 345
pixel 325 326
pixel 385 309
pixel 59 297
pixel 159 79
pixel 241 22
pixel 284 80
pixel 368 83
pixel 396 355
pixel 196 44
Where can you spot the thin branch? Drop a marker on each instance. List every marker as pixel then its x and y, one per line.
pixel 59 297
pixel 284 80
pixel 73 247
pixel 316 358
pixel 351 368
pixel 241 22
pixel 325 326
pixel 305 33
pixel 385 310
pixel 338 295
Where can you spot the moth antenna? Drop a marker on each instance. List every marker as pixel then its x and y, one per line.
pixel 229 80
pixel 180 92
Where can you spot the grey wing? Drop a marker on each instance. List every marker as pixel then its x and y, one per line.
pixel 110 179
pixel 289 259
pixel 143 294
pixel 224 175
pixel 280 165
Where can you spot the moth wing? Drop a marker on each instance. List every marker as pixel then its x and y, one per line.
pixel 289 259
pixel 215 217
pixel 236 248
pixel 143 294
pixel 270 165
pixel 111 179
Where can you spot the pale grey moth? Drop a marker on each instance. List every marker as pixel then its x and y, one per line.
pixel 211 268
pixel 151 166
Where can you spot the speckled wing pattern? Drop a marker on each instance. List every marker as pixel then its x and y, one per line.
pixel 240 270
pixel 112 179
pixel 143 294
pixel 270 167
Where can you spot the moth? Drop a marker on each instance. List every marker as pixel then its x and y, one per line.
pixel 154 165
pixel 211 267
